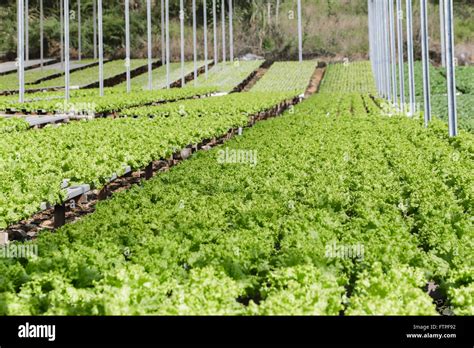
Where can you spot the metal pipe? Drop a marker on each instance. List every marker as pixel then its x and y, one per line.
pixel 401 65
pixel 149 43
pixel 27 31
pixel 224 58
pixel 127 44
pixel 41 34
pixel 181 21
pixel 450 68
pixel 231 31
pixel 66 49
pixel 204 3
pixel 61 31
pixel 79 31
pixel 163 43
pixel 194 41
pixel 442 32
pixel 101 48
pixel 20 48
pixel 411 60
pixel 426 61
pixel 94 18
pixel 387 51
pixel 214 15
pixel 393 52
pixel 168 51
pixel 300 33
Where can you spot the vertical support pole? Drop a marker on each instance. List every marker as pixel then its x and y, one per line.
pixel 231 30
pixel 163 44
pixel 194 41
pixel 168 53
pixel 94 18
pixel 426 61
pixel 224 58
pixel 300 33
pixel 393 51
pixel 214 24
pixel 127 44
pixel 387 50
pixel 181 21
pixel 27 31
pixel 20 48
pixel 442 33
pixel 79 31
pixel 101 48
pixel 204 3
pixel 401 66
pixel 66 49
pixel 41 34
pixel 411 59
pixel 61 30
pixel 149 39
pixel 450 68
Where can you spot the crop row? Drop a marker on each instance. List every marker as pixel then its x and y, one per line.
pixel 272 235
pixel 226 76
pixel 35 163
pixel 348 77
pixel 287 77
pixel 159 76
pixel 87 102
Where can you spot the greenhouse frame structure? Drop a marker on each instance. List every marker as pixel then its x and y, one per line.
pixel 226 6
pixel 382 37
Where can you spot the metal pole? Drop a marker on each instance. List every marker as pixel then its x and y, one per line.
pixel 61 30
pixel 214 15
pixel 204 3
pixel 41 34
pixel 387 50
pixel 20 48
pixel 194 41
pixel 27 31
pixel 426 61
pixel 168 53
pixel 411 60
pixel 94 18
pixel 380 49
pixel 401 66
pixel 450 68
pixel 223 32
pixel 148 26
pixel 101 48
pixel 300 33
pixel 66 49
pixel 442 32
pixel 231 30
pixel 127 44
pixel 393 51
pixel 163 44
pixel 79 31
pixel 181 20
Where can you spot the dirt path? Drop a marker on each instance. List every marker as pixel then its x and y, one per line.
pixel 315 81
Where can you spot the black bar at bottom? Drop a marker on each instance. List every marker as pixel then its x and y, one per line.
pixel 417 331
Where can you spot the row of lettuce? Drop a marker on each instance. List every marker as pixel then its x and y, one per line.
pixel 355 220
pixel 35 163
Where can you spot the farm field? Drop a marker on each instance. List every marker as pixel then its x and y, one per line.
pixel 226 76
pixel 91 75
pixel 326 210
pixel 159 76
pixel 286 77
pixel 9 81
